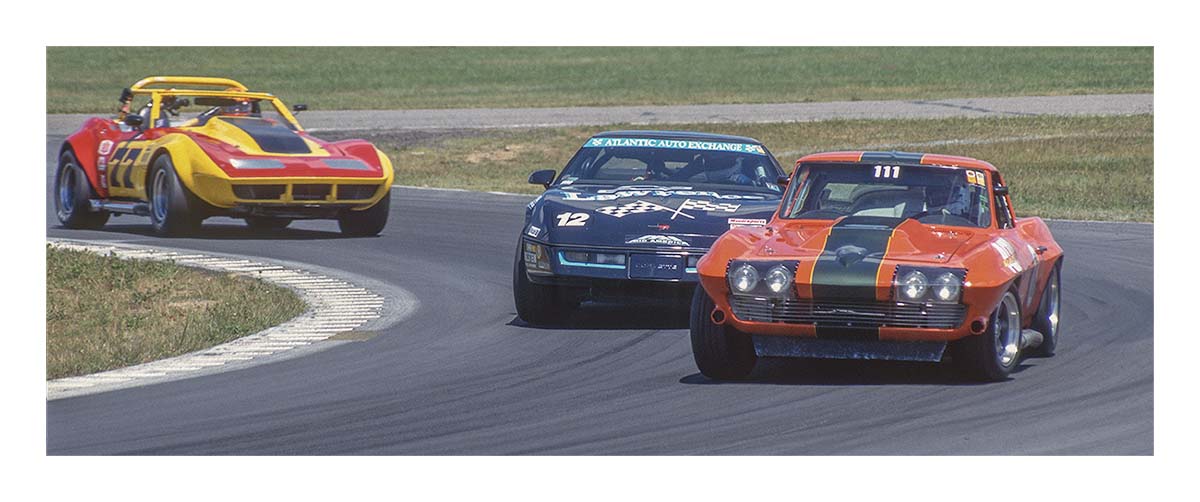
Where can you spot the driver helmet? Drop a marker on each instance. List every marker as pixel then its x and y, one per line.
pixel 239 109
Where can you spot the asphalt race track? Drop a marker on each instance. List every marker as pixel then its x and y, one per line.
pixel 462 376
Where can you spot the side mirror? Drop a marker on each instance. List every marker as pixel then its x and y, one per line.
pixel 135 121
pixel 782 181
pixel 1000 190
pixel 544 178
pixel 299 108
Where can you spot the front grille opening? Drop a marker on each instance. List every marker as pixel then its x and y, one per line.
pixel 356 192
pixel 849 313
pixel 311 192
pixel 258 192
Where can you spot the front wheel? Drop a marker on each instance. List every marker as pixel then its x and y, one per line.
pixel 367 222
pixel 72 194
pixel 1047 319
pixel 539 303
pixel 721 352
pixel 991 356
pixel 171 210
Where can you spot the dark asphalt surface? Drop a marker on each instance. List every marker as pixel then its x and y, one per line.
pixel 462 376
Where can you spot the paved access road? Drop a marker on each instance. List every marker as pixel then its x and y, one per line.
pixel 462 376
pixel 473 118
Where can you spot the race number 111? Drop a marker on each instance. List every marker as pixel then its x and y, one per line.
pixel 887 171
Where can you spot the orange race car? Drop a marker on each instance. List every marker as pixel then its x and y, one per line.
pixel 882 255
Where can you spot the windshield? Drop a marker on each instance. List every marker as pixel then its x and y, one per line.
pixel 948 196
pixel 620 161
pixel 184 111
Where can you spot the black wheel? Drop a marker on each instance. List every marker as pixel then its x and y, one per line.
pixel 172 209
pixel 72 192
pixel 539 303
pixel 1048 314
pixel 992 355
pixel 267 222
pixel 367 222
pixel 721 352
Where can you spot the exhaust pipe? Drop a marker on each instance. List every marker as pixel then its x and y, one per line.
pixel 717 316
pixel 1030 338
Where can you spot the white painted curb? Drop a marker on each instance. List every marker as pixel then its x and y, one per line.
pixel 335 306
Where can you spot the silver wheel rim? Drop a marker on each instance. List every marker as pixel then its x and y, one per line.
pixel 66 190
pixel 1007 331
pixel 1054 305
pixel 159 197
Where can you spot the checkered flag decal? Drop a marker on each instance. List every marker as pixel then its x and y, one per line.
pixel 703 205
pixel 637 207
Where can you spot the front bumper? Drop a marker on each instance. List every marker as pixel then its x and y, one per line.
pixel 296 192
pixel 639 264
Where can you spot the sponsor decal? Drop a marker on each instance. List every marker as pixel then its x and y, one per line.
pixel 623 192
pixel 746 222
pixel 529 207
pixel 676 144
pixel 105 147
pixel 658 240
pixel 533 231
pixel 1008 254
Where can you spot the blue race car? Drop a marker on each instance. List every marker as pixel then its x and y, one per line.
pixel 632 213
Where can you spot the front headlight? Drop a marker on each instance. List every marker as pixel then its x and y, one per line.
pixel 537 258
pixel 913 285
pixel 778 279
pixel 256 164
pixel 743 278
pixel 947 287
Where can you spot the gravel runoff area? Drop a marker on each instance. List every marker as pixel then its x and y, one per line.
pixel 473 118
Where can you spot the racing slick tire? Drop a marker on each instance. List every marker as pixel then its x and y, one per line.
pixel 368 222
pixel 173 210
pixel 539 303
pixel 1049 314
pixel 991 356
pixel 267 223
pixel 721 352
pixel 72 193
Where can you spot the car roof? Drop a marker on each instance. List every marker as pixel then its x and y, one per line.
pixel 683 135
pixel 909 158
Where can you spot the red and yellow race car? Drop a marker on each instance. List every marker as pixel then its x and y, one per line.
pixel 882 255
pixel 201 147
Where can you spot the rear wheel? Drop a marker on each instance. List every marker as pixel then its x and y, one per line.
pixel 72 193
pixel 992 355
pixel 172 211
pixel 367 222
pixel 721 352
pixel 1047 318
pixel 267 222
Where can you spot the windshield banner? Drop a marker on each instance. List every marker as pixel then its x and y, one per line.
pixel 677 144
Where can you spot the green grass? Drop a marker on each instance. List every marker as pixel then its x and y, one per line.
pixel 103 312
pixel 89 79
pixel 1058 167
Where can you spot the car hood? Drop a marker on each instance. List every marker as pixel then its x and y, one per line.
pixel 901 240
pixel 645 216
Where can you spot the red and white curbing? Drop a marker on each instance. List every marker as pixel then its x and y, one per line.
pixel 335 306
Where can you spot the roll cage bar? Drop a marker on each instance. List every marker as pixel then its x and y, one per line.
pixel 218 87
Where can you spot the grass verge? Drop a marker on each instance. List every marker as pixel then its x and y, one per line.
pixel 1098 168
pixel 104 313
pixel 89 79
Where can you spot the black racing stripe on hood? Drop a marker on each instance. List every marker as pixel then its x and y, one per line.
pixel 848 266
pixel 271 136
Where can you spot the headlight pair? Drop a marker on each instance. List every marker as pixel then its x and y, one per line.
pixel 775 278
pixel 913 284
